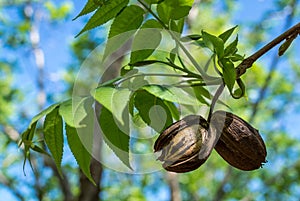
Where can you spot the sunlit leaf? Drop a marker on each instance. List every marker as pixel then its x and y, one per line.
pixel 145 41
pixel 73 111
pixel 191 37
pixel 214 43
pixel 53 133
pixel 89 7
pixel 153 1
pixel 225 35
pixel 229 74
pixel 114 99
pixel 82 156
pixel 43 113
pixel 105 13
pixel 131 18
pixel 174 9
pixel 123 27
pixel 231 49
pixel 116 136
pixel 173 94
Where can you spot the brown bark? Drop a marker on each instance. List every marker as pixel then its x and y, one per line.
pixel 172 179
pixel 88 191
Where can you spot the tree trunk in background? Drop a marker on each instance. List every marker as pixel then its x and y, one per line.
pixel 88 191
pixel 172 179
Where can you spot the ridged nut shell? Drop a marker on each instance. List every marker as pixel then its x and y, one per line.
pixel 183 144
pixel 239 144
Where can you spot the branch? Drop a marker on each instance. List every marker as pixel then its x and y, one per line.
pixel 247 63
pixel 172 179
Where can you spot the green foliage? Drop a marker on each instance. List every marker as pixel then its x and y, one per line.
pixel 173 9
pixel 115 135
pixel 81 154
pixel 130 95
pixel 153 110
pixel 53 134
pixel 90 6
pixel 146 41
pixel 129 19
pixel 105 13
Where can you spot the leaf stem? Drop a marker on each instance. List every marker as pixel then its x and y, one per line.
pixel 214 100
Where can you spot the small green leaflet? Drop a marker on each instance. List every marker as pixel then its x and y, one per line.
pixel 174 9
pixel 53 133
pixel 82 156
pixel 115 100
pixel 89 7
pixel 153 110
pixel 231 49
pixel 214 43
pixel 115 136
pixel 282 49
pixel 43 113
pixel 229 73
pixel 225 35
pixel 123 27
pixel 105 13
pixel 146 40
pixel 74 111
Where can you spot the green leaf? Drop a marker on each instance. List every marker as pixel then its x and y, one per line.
pixel 89 7
pixel 153 1
pixel 115 136
pixel 231 49
pixel 43 113
pixel 229 73
pixel 123 27
pixel 39 150
pixel 176 26
pixel 115 100
pixel 105 13
pixel 225 35
pixel 53 133
pixel 131 18
pixel 236 57
pixel 73 111
pixel 282 49
pixel 82 156
pixel 146 40
pixel 200 93
pixel 191 37
pixel 28 134
pixel 240 92
pixel 172 94
pixel 174 9
pixel 173 109
pixel 153 110
pixel 144 63
pixel 214 43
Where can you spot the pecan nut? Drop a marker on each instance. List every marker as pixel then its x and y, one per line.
pixel 239 144
pixel 185 145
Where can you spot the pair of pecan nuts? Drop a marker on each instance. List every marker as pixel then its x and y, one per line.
pixel 186 144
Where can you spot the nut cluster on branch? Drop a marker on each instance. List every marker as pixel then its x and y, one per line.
pixel 186 144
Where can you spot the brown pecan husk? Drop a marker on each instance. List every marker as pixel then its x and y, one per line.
pixel 239 144
pixel 184 144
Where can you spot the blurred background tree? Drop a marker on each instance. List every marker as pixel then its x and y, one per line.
pixel 38 66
